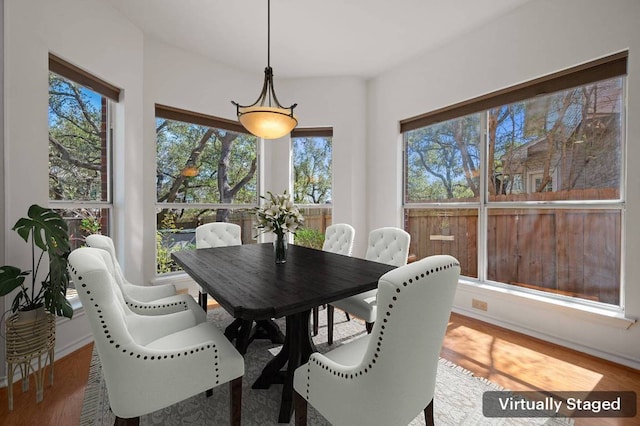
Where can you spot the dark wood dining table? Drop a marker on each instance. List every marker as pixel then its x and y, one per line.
pixel 249 285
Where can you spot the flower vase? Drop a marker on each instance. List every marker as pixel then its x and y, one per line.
pixel 280 248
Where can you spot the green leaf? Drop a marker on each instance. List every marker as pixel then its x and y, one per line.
pixel 57 303
pixel 11 278
pixel 47 228
pixel 48 232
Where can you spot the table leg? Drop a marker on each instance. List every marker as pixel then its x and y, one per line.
pixel 267 329
pixel 271 373
pixel 243 336
pixel 296 350
pixel 241 330
pixel 231 332
pixel 316 318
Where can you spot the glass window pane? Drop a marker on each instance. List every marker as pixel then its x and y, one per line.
pixel 442 161
pixel 445 231
pixel 176 230
pixel 312 177
pixel 78 142
pixel 562 146
pixel 567 252
pixel 83 222
pixel 316 220
pixel 199 164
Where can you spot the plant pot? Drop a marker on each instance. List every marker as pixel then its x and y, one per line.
pixel 30 315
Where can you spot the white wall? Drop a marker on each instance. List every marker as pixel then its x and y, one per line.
pixel 2 200
pixel 539 38
pixel 339 103
pixel 91 35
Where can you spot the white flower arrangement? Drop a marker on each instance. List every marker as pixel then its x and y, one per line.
pixel 278 215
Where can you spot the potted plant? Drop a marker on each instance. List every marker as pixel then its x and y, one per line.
pixel 47 232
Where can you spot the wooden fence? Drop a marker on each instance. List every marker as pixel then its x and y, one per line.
pixel 314 218
pixel 573 252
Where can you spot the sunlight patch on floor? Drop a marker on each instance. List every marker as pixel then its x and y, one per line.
pixel 543 371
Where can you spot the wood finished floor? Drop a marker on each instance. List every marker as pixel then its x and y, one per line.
pixel 512 360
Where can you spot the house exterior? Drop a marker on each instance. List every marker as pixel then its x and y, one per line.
pixel 580 154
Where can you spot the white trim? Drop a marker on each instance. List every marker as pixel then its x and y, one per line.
pixel 613 316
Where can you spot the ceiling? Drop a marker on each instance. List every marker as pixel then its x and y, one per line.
pixel 311 38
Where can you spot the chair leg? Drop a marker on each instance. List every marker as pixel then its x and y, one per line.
pixel 316 317
pixel 330 311
pixel 300 406
pixel 369 326
pixel 428 414
pixel 235 389
pixel 202 300
pixel 348 317
pixel 134 421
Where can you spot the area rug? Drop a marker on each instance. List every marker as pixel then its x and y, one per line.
pixel 458 396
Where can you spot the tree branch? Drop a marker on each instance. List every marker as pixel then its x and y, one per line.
pixel 66 156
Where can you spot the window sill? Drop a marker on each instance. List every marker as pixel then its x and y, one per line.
pixel 78 310
pixel 177 278
pixel 76 304
pixel 613 317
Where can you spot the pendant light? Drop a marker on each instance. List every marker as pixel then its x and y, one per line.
pixel 266 118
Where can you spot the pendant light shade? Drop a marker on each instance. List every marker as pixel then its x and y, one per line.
pixel 266 118
pixel 267 122
pixel 190 171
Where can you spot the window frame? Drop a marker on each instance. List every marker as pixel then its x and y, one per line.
pixel 310 132
pixel 111 96
pixel 192 117
pixel 611 66
pixel 112 93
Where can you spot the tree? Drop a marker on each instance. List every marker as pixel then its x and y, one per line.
pixel 312 170
pixel 225 160
pixel 561 134
pixel 226 164
pixel 443 160
pixel 77 142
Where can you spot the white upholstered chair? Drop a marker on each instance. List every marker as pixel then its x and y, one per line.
pixel 386 377
pixel 386 245
pixel 216 234
pixel 338 238
pixel 151 362
pixel 146 300
pixel 222 234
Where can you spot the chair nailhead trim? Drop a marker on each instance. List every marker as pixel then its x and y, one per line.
pixel 136 305
pixel 362 372
pixel 138 355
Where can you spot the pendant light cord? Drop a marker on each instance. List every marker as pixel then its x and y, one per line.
pixel 269 33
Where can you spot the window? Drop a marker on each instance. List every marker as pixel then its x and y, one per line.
pixel 80 149
pixel 312 182
pixel 80 124
pixel 206 171
pixel 525 186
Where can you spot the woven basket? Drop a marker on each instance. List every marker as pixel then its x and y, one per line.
pixel 30 337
